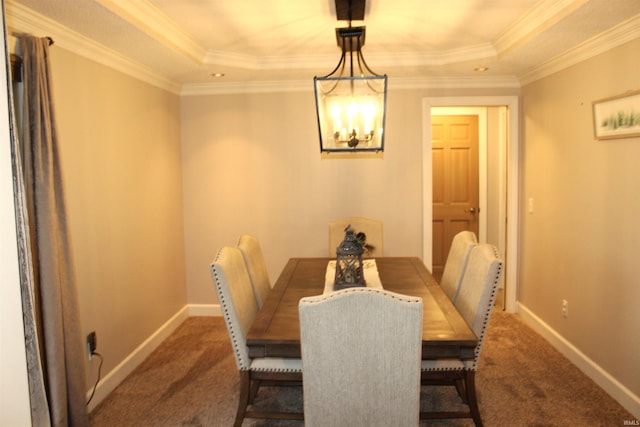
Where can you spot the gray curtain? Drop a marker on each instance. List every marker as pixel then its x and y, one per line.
pixel 52 296
pixel 37 395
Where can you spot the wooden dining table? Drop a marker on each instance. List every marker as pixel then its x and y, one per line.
pixel 276 330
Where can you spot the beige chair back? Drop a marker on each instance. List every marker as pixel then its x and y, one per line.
pixel 475 302
pixel 361 351
pixel 370 227
pixel 257 267
pixel 237 300
pixel 478 290
pixel 456 263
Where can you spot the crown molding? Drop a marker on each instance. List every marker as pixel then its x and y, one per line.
pixel 258 63
pixel 447 82
pixel 149 19
pixel 610 39
pixel 543 15
pixel 467 53
pixel 452 56
pixel 22 20
pixel 399 83
pixel 381 59
pixel 228 88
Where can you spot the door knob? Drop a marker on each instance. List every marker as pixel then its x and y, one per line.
pixel 471 210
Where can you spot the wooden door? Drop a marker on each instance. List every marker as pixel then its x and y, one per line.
pixel 455 182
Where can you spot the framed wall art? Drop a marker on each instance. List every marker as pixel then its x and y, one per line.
pixel 617 116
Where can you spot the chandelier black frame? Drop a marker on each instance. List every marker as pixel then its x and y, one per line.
pixel 351 109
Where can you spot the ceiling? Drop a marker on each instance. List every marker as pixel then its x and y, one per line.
pixel 183 42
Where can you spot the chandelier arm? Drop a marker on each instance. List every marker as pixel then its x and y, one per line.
pixel 340 66
pixel 337 81
pixel 363 64
pixel 333 87
pixel 373 89
pixel 351 83
pixel 351 53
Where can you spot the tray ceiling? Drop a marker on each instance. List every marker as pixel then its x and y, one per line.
pixel 183 42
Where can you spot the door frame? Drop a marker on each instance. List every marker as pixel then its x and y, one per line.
pixel 513 180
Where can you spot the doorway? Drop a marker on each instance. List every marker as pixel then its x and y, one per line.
pixel 503 233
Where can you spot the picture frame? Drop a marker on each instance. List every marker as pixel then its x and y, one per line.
pixel 617 116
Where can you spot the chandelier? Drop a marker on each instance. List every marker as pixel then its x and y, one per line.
pixel 351 99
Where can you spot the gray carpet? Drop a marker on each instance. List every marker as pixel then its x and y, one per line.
pixel 192 380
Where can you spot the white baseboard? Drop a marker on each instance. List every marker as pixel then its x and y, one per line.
pixel 204 310
pixel 618 391
pixel 606 381
pixel 124 368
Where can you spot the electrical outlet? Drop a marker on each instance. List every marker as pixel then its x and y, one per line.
pixel 92 344
pixel 565 308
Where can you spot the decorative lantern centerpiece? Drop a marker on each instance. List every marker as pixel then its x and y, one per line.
pixel 349 273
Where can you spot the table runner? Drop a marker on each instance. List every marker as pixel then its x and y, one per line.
pixel 371 276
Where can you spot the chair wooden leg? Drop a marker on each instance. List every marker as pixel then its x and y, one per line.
pixel 243 401
pixel 472 400
pixel 462 392
pixel 255 385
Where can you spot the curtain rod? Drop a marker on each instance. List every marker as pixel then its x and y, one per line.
pixel 16 64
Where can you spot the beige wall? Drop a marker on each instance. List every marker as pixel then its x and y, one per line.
pixel 120 145
pixel 581 243
pixel 252 164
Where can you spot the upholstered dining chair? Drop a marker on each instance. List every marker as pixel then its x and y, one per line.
pixel 475 301
pixel 239 308
pixel 456 263
pixel 371 228
pixel 253 257
pixel 361 351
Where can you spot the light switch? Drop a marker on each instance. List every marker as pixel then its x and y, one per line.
pixel 530 205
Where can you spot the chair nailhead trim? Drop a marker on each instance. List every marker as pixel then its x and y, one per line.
pixel 276 370
pixel 492 300
pixel 226 314
pixel 485 322
pixel 403 298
